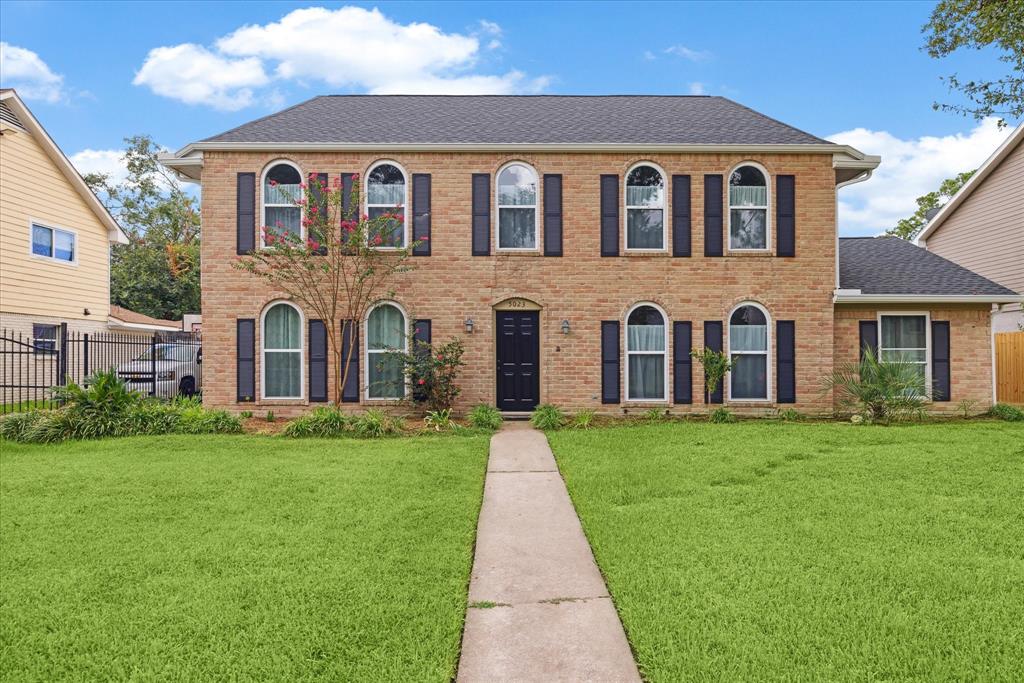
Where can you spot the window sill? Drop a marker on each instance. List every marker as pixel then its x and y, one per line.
pixel 646 253
pixel 517 252
pixel 752 253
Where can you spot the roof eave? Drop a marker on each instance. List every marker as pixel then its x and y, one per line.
pixel 188 168
pixel 850 298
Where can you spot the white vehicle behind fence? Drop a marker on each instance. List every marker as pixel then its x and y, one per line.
pixel 178 368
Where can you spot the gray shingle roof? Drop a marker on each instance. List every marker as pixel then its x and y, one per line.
pixel 889 265
pixel 510 119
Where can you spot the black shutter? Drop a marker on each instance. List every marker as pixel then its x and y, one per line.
pixel 610 361
pixel 421 336
pixel 868 337
pixel 785 215
pixel 610 215
pixel 940 361
pixel 349 211
pixel 712 215
pixel 421 213
pixel 681 216
pixel 682 362
pixel 713 341
pixel 552 214
pixel 350 338
pixel 319 191
pixel 245 359
pixel 317 361
pixel 481 214
pixel 785 360
pixel 245 214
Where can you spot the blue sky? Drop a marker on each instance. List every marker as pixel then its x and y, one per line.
pixel 94 73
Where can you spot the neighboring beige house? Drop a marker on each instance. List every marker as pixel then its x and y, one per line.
pixel 982 226
pixel 55 235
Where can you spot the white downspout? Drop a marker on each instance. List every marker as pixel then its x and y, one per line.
pixel 992 338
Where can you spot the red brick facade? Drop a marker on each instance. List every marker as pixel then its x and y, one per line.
pixel 580 286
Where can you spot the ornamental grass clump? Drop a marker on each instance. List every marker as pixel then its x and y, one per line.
pixel 375 423
pixel 324 422
pixel 547 417
pixel 484 416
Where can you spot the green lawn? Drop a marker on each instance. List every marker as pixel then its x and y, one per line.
pixel 236 558
pixel 761 551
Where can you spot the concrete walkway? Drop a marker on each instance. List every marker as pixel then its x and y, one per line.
pixel 551 619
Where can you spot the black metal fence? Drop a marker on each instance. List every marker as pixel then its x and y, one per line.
pixel 165 364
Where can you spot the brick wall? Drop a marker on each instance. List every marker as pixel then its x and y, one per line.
pixel 580 286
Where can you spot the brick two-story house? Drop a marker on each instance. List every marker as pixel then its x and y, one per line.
pixel 580 247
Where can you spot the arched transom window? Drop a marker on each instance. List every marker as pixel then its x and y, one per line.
pixel 748 351
pixel 517 207
pixel 281 192
pixel 386 194
pixel 645 208
pixel 385 333
pixel 646 347
pixel 282 351
pixel 748 208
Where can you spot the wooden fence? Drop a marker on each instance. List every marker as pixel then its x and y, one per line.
pixel 1010 367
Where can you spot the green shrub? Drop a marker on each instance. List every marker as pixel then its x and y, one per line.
pixel 270 416
pixel 583 419
pixel 14 427
pixel 789 415
pixel 721 416
pixel 375 423
pixel 201 421
pixel 439 420
pixel 882 391
pixel 151 417
pixel 484 416
pixel 322 422
pixel 1004 411
pixel 245 414
pixel 546 416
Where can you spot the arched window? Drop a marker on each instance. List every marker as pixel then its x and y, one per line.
pixel 645 208
pixel 517 207
pixel 646 347
pixel 748 350
pixel 281 191
pixel 386 193
pixel 385 332
pixel 748 208
pixel 281 338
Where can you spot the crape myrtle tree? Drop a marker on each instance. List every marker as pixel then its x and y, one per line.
pixel 340 268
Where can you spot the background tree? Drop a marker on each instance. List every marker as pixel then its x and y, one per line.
pixel 157 272
pixel 976 24
pixel 909 228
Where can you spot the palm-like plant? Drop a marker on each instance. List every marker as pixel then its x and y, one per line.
pixel 882 391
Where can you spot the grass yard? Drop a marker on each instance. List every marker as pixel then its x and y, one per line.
pixel 236 558
pixel 762 551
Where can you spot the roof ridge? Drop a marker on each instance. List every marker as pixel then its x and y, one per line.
pixel 562 95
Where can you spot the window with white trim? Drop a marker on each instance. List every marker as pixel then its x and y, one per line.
pixel 905 338
pixel 517 207
pixel 282 189
pixel 281 338
pixel 748 209
pixel 386 194
pixel 646 351
pixel 645 208
pixel 386 332
pixel 748 352
pixel 44 339
pixel 53 243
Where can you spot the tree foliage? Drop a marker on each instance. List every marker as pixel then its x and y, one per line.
pixel 157 272
pixel 977 24
pixel 909 228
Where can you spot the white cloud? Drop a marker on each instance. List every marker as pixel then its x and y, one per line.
pixel 195 75
pixel 24 71
pixel 649 56
pixel 108 161
pixel 688 53
pixel 909 169
pixel 349 47
pixel 697 88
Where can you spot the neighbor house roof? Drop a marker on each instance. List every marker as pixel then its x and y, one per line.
pixel 15 113
pixel 127 318
pixel 1009 144
pixel 880 267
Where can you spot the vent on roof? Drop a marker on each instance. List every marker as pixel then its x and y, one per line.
pixel 7 116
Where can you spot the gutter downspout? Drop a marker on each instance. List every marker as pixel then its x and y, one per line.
pixel 996 308
pixel 852 181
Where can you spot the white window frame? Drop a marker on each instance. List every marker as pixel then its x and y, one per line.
pixel 927 339
pixel 625 345
pixel 263 199
pixel 367 350
pixel 54 229
pixel 498 207
pixel 767 208
pixel 664 209
pixel 405 202
pixel 767 353
pixel 264 351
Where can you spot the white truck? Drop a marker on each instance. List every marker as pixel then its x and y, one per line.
pixel 178 367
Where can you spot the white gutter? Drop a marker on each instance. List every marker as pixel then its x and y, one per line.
pixel 115 323
pixel 840 297
pixel 992 342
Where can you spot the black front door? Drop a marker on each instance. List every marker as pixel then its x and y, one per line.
pixel 518 347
